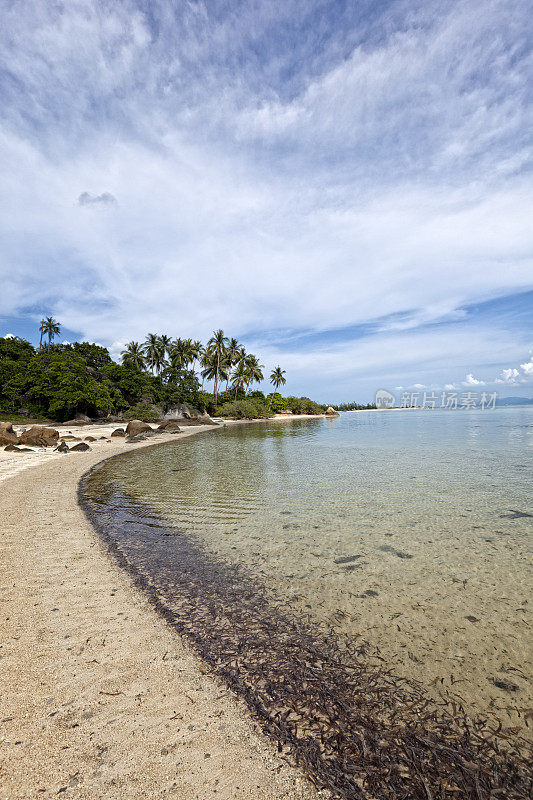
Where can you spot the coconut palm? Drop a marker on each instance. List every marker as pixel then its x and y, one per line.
pixel 233 354
pixel 165 342
pixel 177 353
pixel 277 377
pixel 154 352
pixel 51 328
pixel 196 352
pixel 210 367
pixel 217 346
pixel 239 375
pixel 254 369
pixel 134 354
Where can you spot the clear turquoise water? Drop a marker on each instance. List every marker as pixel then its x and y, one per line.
pixel 408 528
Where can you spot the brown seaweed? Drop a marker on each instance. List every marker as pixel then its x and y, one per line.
pixel 340 714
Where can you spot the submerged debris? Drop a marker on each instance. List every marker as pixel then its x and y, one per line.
pixel 354 726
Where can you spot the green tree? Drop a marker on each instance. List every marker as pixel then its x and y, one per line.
pixel 254 370
pixel 154 352
pixel 51 328
pixel 277 377
pixel 217 347
pixel 134 355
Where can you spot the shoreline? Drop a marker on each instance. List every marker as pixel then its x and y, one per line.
pixel 99 696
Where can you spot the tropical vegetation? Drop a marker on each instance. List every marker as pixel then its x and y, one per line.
pixel 58 381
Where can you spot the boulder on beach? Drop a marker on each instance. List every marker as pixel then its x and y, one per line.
pixel 169 426
pixel 119 432
pixel 179 411
pixel 136 426
pixel 140 437
pixel 330 412
pixel 12 448
pixel 90 438
pixel 62 447
pixel 7 434
pixel 79 447
pixel 39 436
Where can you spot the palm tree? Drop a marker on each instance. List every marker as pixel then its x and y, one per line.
pixel 165 342
pixel 51 328
pixel 217 346
pixel 210 370
pixel 233 354
pixel 254 370
pixel 196 352
pixel 239 375
pixel 41 331
pixel 154 352
pixel 134 355
pixel 277 377
pixel 177 353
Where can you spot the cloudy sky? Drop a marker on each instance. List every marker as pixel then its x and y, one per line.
pixel 344 185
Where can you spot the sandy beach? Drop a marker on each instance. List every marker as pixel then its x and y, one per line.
pixel 99 698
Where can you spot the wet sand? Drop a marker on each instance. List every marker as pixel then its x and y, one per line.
pixel 99 698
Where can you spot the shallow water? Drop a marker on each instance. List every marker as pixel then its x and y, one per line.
pixel 407 529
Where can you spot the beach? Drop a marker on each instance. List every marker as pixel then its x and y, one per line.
pixel 99 698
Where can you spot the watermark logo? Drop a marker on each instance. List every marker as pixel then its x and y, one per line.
pixel 384 399
pixel 484 401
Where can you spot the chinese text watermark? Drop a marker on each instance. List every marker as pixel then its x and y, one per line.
pixel 483 401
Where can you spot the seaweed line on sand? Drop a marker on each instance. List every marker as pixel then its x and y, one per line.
pixel 353 726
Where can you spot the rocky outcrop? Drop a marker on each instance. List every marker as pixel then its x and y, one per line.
pixel 179 411
pixel 330 412
pixel 119 432
pixel 136 426
pixel 39 436
pixel 169 426
pixel 7 434
pixel 80 447
pixel 140 437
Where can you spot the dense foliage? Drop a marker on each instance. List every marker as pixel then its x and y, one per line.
pixel 59 381
pixel 355 406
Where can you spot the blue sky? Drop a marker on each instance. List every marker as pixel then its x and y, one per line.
pixel 345 186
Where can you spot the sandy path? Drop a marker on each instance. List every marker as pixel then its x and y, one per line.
pixel 99 699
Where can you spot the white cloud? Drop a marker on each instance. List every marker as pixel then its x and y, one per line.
pixel 471 381
pixel 528 367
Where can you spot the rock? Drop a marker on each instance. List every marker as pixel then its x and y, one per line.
pixel 115 417
pixel 7 434
pixel 136 426
pixel 70 438
pixel 330 412
pixel 90 438
pixel 39 436
pixel 62 448
pixel 83 418
pixel 119 432
pixel 12 448
pixel 179 411
pixel 80 446
pixel 140 437
pixel 169 426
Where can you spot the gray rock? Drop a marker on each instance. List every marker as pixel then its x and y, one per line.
pixel 179 411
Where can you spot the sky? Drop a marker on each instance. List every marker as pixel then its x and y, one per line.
pixel 343 185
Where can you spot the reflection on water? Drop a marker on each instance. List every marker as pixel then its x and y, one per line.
pixel 410 528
